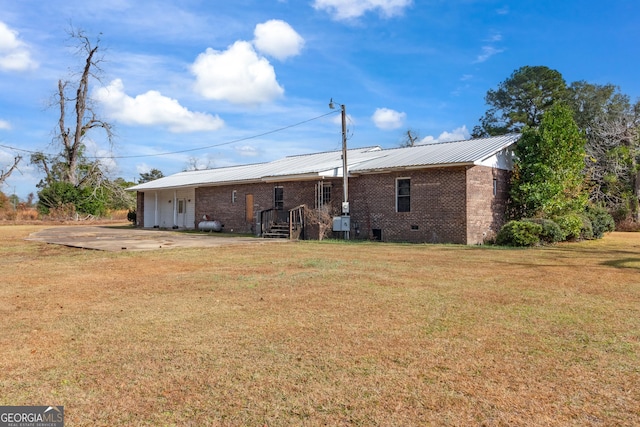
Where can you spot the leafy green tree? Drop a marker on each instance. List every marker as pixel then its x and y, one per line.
pixel 59 194
pixel 594 103
pixel 521 100
pixel 152 175
pixel 548 177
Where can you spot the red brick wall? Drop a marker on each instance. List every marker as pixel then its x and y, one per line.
pixel 139 209
pixel 216 202
pixel 448 205
pixel 485 211
pixel 437 206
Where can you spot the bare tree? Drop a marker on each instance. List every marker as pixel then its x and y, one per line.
pixel 71 176
pixel 6 174
pixel 410 138
pixel 82 115
pixel 614 151
pixel 197 164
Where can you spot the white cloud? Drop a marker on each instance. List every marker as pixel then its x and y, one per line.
pixel 105 157
pixel 487 52
pixel 350 9
pixel 143 168
pixel 247 151
pixel 152 109
pixel 458 134
pixel 276 38
pixel 385 118
pixel 14 55
pixel 237 75
pixel 5 125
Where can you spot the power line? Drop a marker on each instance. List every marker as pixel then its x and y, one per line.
pixel 190 149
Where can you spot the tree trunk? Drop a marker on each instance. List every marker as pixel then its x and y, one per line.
pixel 72 141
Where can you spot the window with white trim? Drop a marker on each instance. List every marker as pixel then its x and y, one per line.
pixel 403 195
pixel 323 194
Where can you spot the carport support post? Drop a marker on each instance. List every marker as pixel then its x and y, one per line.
pixel 175 209
pixel 155 223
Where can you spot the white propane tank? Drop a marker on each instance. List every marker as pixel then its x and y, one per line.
pixel 209 226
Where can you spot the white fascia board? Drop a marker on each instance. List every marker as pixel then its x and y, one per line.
pixel 196 185
pixel 501 160
pixel 299 177
pixel 173 187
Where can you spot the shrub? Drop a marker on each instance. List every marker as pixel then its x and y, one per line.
pixel 551 231
pixel 131 217
pixel 628 225
pixel 28 215
pixel 601 220
pixel 571 225
pixel 59 194
pixel 62 212
pixel 586 231
pixel 4 201
pixel 519 233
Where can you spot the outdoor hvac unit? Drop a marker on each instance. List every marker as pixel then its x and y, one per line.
pixel 341 223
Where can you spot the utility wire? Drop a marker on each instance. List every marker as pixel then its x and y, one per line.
pixel 190 149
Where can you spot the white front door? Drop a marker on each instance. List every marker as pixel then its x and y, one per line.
pixel 181 212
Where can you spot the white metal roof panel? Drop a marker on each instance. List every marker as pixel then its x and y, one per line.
pixel 360 160
pixel 470 151
pixel 317 163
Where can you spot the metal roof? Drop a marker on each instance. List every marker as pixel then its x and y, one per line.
pixel 329 164
pixel 470 151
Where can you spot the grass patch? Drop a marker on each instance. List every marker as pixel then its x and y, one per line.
pixel 323 333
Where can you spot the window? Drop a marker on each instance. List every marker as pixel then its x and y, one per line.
pixel 326 194
pixel 323 194
pixel 403 195
pixel 495 186
pixel 181 206
pixel 234 196
pixel 278 198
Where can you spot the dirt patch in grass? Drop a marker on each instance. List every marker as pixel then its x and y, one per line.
pixel 126 238
pixel 324 333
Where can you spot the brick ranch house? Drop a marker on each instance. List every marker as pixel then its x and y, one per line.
pixel 450 192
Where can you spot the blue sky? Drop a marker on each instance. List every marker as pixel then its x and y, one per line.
pixel 218 77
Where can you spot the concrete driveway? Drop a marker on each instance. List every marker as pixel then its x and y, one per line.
pixel 105 238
